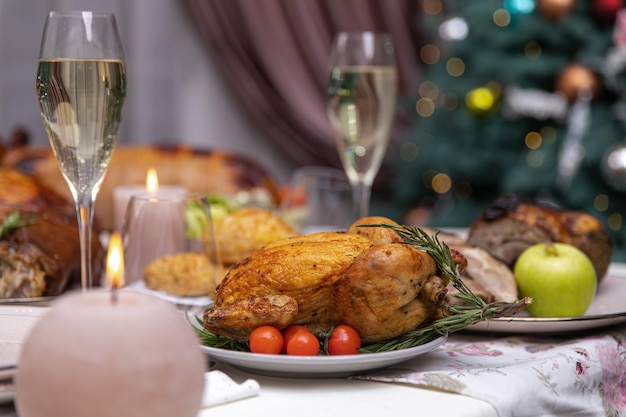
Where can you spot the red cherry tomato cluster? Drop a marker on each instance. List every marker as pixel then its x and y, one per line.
pixel 300 341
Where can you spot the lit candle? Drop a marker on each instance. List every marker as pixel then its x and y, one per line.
pixel 123 193
pixel 156 228
pixel 115 264
pixel 98 355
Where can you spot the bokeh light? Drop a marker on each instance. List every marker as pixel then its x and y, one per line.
pixel 501 17
pixel 428 89
pixel 432 7
pixel 601 202
pixel 455 29
pixel 455 67
pixel 533 140
pixel 614 221
pixel 430 54
pixel 425 107
pixel 441 183
pixel 534 159
pixel 409 151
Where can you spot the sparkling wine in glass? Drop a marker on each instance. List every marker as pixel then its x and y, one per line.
pixel 81 86
pixel 361 103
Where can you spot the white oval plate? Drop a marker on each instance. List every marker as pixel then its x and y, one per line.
pixel 317 366
pixel 608 308
pixel 199 301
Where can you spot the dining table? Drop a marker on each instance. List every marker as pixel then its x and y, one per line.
pixel 512 367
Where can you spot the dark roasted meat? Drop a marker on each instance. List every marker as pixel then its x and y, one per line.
pixel 510 225
pixel 43 257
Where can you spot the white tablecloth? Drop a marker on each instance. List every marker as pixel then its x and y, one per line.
pixel 283 397
pixel 526 376
pixel 469 376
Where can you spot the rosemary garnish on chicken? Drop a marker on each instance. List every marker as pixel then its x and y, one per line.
pixel 14 220
pixel 457 317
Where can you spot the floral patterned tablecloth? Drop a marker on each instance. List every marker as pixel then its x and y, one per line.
pixel 526 375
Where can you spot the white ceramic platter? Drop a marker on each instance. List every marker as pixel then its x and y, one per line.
pixel 317 366
pixel 608 308
pixel 183 302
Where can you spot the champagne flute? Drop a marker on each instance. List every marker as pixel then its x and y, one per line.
pixel 361 103
pixel 81 86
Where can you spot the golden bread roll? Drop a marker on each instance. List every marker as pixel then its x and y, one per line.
pixel 183 274
pixel 241 232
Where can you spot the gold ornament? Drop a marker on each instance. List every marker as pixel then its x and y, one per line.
pixel 555 9
pixel 574 78
pixel 481 100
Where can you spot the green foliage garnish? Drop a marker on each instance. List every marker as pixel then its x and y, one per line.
pixel 196 220
pixel 13 221
pixel 472 310
pixel 221 206
pixel 212 340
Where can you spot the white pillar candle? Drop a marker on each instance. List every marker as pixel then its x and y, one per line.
pixel 93 357
pixel 110 353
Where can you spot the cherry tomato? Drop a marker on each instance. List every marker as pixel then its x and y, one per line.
pixel 265 339
pixel 344 340
pixel 303 344
pixel 290 331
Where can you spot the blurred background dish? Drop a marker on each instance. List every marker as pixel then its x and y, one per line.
pixel 319 199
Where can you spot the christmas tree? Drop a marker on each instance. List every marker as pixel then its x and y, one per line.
pixel 521 96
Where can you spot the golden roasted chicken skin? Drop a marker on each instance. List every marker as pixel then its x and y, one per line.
pixel 381 289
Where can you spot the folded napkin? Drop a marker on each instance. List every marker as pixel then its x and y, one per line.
pixel 221 389
pixel 526 376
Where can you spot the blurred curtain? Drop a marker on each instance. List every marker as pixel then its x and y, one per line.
pixel 274 54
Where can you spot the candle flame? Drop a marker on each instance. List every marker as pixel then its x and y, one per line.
pixel 115 261
pixel 152 180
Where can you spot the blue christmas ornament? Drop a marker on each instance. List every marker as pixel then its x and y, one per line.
pixel 519 6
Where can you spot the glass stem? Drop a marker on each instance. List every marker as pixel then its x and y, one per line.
pixel 361 194
pixel 84 209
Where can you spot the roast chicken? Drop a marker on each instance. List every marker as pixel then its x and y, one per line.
pixel 370 281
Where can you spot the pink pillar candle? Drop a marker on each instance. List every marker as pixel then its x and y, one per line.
pixel 100 356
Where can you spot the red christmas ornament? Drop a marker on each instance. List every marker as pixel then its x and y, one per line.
pixel 604 11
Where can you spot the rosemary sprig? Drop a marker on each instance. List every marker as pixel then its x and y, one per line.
pixel 209 339
pixel 14 220
pixel 472 310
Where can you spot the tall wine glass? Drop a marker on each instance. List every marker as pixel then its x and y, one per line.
pixel 361 103
pixel 81 86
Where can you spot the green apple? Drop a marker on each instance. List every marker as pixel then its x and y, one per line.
pixel 559 278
